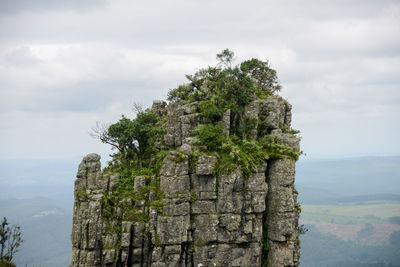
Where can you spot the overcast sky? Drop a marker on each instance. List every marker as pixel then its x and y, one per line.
pixel 66 64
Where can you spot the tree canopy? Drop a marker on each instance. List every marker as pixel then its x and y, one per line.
pixel 229 86
pixel 133 138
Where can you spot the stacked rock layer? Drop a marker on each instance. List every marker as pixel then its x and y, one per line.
pixel 205 220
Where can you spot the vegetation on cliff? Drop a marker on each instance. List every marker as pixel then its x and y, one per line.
pixel 228 87
pixel 193 173
pixel 140 147
pixel 221 88
pixel 215 90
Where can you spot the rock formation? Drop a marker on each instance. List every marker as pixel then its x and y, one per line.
pixel 201 219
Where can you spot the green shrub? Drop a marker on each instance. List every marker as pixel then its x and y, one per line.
pixel 82 195
pixel 234 86
pixel 133 139
pixel 210 135
pixel 210 111
pixel 277 149
pixel 288 129
pixel 249 124
pixel 179 157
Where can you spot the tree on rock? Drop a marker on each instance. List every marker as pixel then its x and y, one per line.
pixel 133 138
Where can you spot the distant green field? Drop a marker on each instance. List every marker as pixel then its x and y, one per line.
pixel 351 213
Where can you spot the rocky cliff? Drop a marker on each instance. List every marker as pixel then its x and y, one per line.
pixel 189 215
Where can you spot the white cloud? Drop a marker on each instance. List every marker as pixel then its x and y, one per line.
pixel 10 7
pixel 63 68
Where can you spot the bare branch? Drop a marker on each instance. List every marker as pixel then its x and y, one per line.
pixel 100 131
pixel 138 107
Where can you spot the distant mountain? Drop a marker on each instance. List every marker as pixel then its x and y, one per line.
pixel 23 178
pixel 354 176
pixel 371 197
pixel 46 228
pixel 310 195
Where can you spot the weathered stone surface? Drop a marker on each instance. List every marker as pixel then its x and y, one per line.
pixel 205 227
pixel 197 219
pixel 204 187
pixel 186 148
pixel 230 203
pixel 108 256
pixel 230 192
pixel 173 230
pixel 205 165
pixel 226 121
pixel 203 207
pixel 87 226
pixel 281 200
pixel 282 220
pixel 274 112
pixel 109 181
pixel 228 255
pixel 139 183
pixel 188 124
pixel 176 207
pixel 159 107
pixel 281 172
pixel 171 167
pixel 190 108
pixel 251 117
pixel 282 226
pixel 89 172
pixel 288 114
pixel 249 256
pixel 213 255
pixel 230 221
pixel 281 254
pixel 173 185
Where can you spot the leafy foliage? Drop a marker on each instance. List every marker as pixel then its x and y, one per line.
pixel 210 135
pixel 133 138
pixel 137 155
pixel 125 198
pixel 233 150
pixel 209 111
pixel 263 77
pixel 226 86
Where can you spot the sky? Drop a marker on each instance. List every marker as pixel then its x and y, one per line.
pixel 65 65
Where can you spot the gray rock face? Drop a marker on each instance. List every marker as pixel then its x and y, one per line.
pixel 204 220
pixel 205 165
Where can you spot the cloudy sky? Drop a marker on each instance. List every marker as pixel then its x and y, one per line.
pixel 66 64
